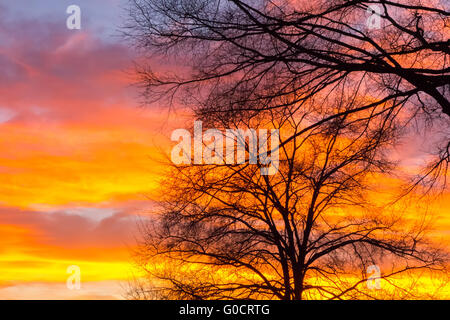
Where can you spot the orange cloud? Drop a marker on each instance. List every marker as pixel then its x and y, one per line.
pixel 78 159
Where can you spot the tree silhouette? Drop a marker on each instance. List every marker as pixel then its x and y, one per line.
pixel 310 231
pixel 232 47
pixel 340 93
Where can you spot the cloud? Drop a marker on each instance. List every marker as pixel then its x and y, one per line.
pixel 70 128
pixel 38 246
pixel 68 72
pixel 70 228
pixel 78 157
pixel 97 290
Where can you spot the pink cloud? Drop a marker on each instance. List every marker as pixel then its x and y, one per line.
pixel 64 73
pixel 75 228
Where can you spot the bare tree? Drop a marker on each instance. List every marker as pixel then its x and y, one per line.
pixel 310 231
pixel 233 48
pixel 340 93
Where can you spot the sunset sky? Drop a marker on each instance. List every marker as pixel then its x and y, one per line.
pixel 78 152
